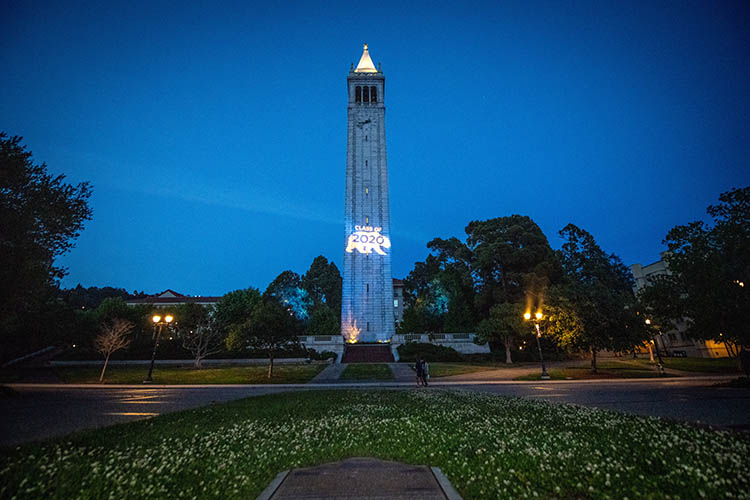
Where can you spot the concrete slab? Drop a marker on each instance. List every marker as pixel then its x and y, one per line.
pixel 329 374
pixel 361 478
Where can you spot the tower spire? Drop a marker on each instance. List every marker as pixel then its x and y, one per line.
pixel 365 63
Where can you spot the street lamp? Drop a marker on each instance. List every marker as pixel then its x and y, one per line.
pixel 160 322
pixel 538 318
pixel 656 344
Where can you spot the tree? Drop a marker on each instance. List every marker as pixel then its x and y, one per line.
pixel 323 283
pixel 512 261
pixel 600 287
pixel 271 327
pixel 198 329
pixel 504 325
pixel 113 337
pixel 709 280
pixel 287 289
pixel 90 298
pixel 40 218
pixel 323 321
pixel 504 262
pixel 235 308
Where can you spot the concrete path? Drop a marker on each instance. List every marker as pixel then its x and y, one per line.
pixel 361 478
pixel 330 373
pixel 402 373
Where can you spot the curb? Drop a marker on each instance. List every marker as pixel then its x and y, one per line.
pixel 338 385
pixel 274 486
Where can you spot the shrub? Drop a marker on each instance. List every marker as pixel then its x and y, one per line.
pixel 430 352
pixel 321 356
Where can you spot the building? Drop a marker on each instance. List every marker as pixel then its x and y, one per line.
pixel 398 300
pixel 367 300
pixel 169 298
pixel 675 342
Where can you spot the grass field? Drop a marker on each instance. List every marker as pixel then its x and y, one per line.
pixel 367 371
pixel 605 370
pixel 489 447
pixel 448 369
pixel 701 365
pixel 282 374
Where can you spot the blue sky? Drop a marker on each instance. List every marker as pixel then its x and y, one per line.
pixel 214 133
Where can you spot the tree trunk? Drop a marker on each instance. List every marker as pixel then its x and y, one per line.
pixel 650 351
pixel 593 360
pixel 507 350
pixel 270 365
pixel 731 351
pixel 104 368
pixel 197 362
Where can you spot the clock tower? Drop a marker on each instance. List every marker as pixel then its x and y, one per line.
pixel 367 295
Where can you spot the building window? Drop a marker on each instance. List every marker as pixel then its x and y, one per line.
pixel 365 94
pixel 365 163
pixel 358 94
pixel 373 94
pixel 367 287
pixel 368 326
pixel 395 302
pixel 367 220
pixel 365 138
pixel 367 190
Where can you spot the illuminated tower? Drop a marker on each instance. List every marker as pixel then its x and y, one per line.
pixel 367 299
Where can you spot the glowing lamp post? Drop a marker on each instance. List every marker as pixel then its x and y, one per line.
pixel 538 317
pixel 656 345
pixel 160 322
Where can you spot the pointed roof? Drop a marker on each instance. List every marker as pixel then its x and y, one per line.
pixel 365 63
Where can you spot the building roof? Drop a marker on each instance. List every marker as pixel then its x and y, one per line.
pixel 169 296
pixel 397 282
pixel 365 63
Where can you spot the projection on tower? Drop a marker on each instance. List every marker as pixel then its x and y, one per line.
pixel 367 299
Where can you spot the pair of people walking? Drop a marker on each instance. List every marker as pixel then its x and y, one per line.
pixel 423 372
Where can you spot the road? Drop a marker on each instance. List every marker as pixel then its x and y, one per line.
pixel 39 411
pixel 35 413
pixel 694 401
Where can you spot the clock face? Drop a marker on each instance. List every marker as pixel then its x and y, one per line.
pixel 362 123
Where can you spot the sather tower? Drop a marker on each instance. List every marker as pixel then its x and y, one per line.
pixel 367 301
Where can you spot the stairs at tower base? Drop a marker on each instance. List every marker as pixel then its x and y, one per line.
pixel 367 353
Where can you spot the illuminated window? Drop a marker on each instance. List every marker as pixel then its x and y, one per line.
pixel 395 302
pixel 365 94
pixel 367 220
pixel 367 190
pixel 358 94
pixel 373 94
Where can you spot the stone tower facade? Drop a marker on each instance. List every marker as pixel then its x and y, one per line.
pixel 367 299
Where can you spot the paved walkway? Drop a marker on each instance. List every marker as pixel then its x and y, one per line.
pixel 402 373
pixel 361 478
pixel 329 374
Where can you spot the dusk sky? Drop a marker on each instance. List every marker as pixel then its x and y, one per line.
pixel 214 133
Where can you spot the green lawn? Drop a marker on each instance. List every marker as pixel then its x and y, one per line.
pixel 367 371
pixel 703 365
pixel 605 370
pixel 448 369
pixel 489 447
pixel 282 374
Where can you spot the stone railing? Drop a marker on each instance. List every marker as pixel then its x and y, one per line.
pixel 433 338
